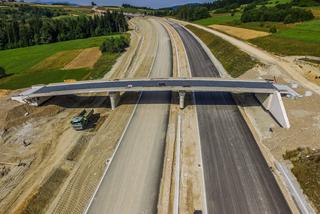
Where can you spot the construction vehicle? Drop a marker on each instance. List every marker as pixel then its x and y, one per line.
pixel 80 122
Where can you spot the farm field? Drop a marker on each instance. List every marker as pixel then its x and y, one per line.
pixel 45 63
pixel 241 33
pixel 306 31
pixel 218 19
pixel 290 39
pixel 300 39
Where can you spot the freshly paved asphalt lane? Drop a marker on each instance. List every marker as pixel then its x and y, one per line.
pixel 237 177
pixel 154 83
pixel 131 184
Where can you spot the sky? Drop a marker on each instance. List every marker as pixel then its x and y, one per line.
pixel 145 3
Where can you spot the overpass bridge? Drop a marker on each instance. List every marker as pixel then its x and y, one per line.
pixel 268 93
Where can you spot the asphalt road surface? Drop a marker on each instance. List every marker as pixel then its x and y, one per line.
pixel 123 84
pixel 237 177
pixel 132 182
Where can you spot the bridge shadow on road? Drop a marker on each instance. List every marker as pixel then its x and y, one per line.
pixel 130 98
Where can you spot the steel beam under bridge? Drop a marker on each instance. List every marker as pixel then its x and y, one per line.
pixel 268 93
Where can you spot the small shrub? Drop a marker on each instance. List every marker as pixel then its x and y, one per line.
pixel 273 29
pixel 236 22
pixel 115 44
pixel 289 19
pixel 2 72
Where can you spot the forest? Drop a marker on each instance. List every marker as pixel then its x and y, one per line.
pixel 191 13
pixel 280 13
pixel 38 27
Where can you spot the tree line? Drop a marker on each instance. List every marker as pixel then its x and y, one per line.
pixel 115 44
pixel 17 11
pixel 280 13
pixel 17 33
pixel 191 13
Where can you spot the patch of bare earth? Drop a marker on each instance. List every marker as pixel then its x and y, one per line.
pixel 56 61
pixel 4 92
pixel 316 12
pixel 240 33
pixel 87 58
pixel 310 70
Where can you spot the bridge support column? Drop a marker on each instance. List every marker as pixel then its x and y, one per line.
pixel 114 99
pixel 182 95
pixel 273 103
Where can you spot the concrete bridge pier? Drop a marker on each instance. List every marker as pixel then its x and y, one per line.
pixel 114 99
pixel 273 103
pixel 182 95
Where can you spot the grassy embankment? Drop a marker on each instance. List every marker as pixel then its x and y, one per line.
pixel 235 61
pixel 306 168
pixel 43 64
pixel 290 39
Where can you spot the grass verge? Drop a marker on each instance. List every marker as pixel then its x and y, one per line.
pixel 46 192
pixel 306 168
pixel 235 61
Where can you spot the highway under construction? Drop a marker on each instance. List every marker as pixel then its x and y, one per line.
pixel 165 102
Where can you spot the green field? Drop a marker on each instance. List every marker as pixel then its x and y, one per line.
pixel 300 39
pixel 22 63
pixel 261 26
pixel 235 61
pixel 290 39
pixel 218 19
pixel 306 31
pixel 272 3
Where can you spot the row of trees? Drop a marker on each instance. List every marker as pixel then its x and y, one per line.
pixel 21 33
pixel 191 13
pixel 17 11
pixel 115 44
pixel 280 13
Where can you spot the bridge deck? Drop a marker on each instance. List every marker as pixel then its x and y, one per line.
pixel 193 84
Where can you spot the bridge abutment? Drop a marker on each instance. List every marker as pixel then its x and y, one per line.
pixel 273 103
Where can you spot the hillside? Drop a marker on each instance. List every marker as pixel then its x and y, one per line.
pixel 288 36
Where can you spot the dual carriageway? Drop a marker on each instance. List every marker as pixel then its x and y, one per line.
pixel 237 178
